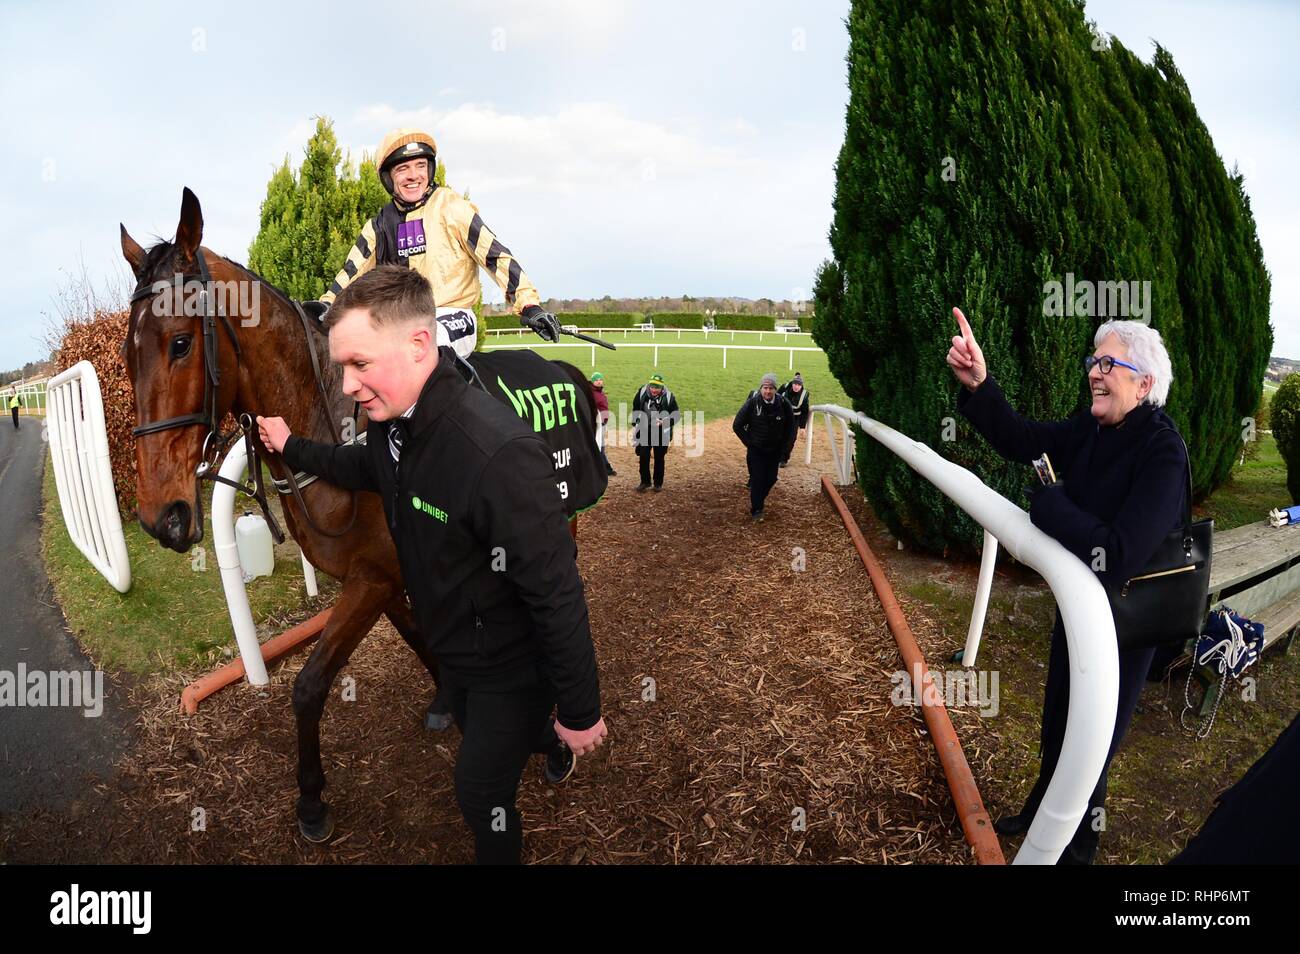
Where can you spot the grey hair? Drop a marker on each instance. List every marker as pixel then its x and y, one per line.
pixel 1146 349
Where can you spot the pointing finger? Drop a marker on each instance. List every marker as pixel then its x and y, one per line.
pixel 963 324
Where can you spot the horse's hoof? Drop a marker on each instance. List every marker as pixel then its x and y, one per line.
pixel 437 721
pixel 320 831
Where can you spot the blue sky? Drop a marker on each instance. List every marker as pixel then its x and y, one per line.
pixel 620 148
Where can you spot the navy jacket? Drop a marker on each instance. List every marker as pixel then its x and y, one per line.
pixel 481 535
pixel 1122 488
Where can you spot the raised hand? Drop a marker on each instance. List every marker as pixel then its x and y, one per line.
pixel 965 356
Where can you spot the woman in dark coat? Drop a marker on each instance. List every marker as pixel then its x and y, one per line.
pixel 1123 478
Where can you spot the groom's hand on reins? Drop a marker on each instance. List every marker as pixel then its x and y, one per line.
pixel 273 432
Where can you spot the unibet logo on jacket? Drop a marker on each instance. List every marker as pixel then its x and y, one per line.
pixel 425 507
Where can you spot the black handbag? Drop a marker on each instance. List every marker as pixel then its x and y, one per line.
pixel 1166 603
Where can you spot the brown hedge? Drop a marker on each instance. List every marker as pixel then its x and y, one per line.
pixel 99 341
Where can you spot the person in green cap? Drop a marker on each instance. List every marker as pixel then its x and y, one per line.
pixel 602 408
pixel 13 406
pixel 654 412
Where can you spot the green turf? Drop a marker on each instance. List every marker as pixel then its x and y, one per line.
pixel 174 617
pixel 1255 488
pixel 696 375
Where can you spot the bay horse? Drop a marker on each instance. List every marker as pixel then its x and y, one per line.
pixel 262 356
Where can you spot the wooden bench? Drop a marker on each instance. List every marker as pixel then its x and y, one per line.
pixel 1256 572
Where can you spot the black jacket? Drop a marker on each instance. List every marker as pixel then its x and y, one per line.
pixel 653 418
pixel 763 426
pixel 1123 488
pixel 801 402
pixel 483 540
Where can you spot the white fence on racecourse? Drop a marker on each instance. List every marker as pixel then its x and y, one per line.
pixel 232 574
pixel 83 473
pixel 31 396
pixel 1089 626
pixel 655 332
pixel 708 347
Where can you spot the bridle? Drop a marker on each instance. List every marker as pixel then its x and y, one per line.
pixel 215 443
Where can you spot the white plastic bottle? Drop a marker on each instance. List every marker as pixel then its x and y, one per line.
pixel 256 550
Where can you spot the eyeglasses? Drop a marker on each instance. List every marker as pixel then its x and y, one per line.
pixel 1106 362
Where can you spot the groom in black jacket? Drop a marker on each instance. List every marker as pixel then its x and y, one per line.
pixel 469 492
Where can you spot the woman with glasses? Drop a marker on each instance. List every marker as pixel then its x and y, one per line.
pixel 1122 478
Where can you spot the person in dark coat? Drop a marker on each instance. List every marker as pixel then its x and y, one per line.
pixel 795 393
pixel 469 493
pixel 1124 476
pixel 765 425
pixel 654 412
pixel 1255 822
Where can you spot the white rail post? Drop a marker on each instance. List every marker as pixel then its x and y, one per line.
pixel 807 450
pixel 846 464
pixel 308 576
pixel 988 560
pixel 232 576
pixel 835 454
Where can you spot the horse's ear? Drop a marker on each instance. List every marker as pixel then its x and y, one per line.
pixel 132 251
pixel 189 231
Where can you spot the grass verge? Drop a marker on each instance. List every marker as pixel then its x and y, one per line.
pixel 174 617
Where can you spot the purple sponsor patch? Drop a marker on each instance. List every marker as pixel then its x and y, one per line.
pixel 410 237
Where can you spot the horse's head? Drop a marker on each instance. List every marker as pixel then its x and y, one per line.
pixel 184 378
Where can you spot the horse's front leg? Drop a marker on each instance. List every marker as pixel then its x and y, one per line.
pixel 362 598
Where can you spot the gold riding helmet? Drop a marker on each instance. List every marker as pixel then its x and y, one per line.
pixel 403 145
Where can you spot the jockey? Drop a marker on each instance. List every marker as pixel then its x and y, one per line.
pixel 439 233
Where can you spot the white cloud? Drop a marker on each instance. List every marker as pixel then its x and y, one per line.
pixel 568 152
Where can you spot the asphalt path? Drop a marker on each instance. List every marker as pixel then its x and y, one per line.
pixel 49 755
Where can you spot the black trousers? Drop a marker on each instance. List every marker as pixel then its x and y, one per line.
pixel 15 410
pixel 503 720
pixel 763 468
pixel 794 437
pixel 643 455
pixel 1133 667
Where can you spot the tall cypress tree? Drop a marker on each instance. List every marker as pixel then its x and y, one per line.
pixel 992 148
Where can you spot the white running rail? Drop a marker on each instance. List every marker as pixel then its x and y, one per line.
pixel 1089 626
pixel 83 473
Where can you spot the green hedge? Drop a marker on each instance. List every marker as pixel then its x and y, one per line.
pixel 677 319
pixel 601 319
pixel 1285 417
pixel 583 319
pixel 745 322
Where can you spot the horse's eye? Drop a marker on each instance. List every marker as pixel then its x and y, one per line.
pixel 181 346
